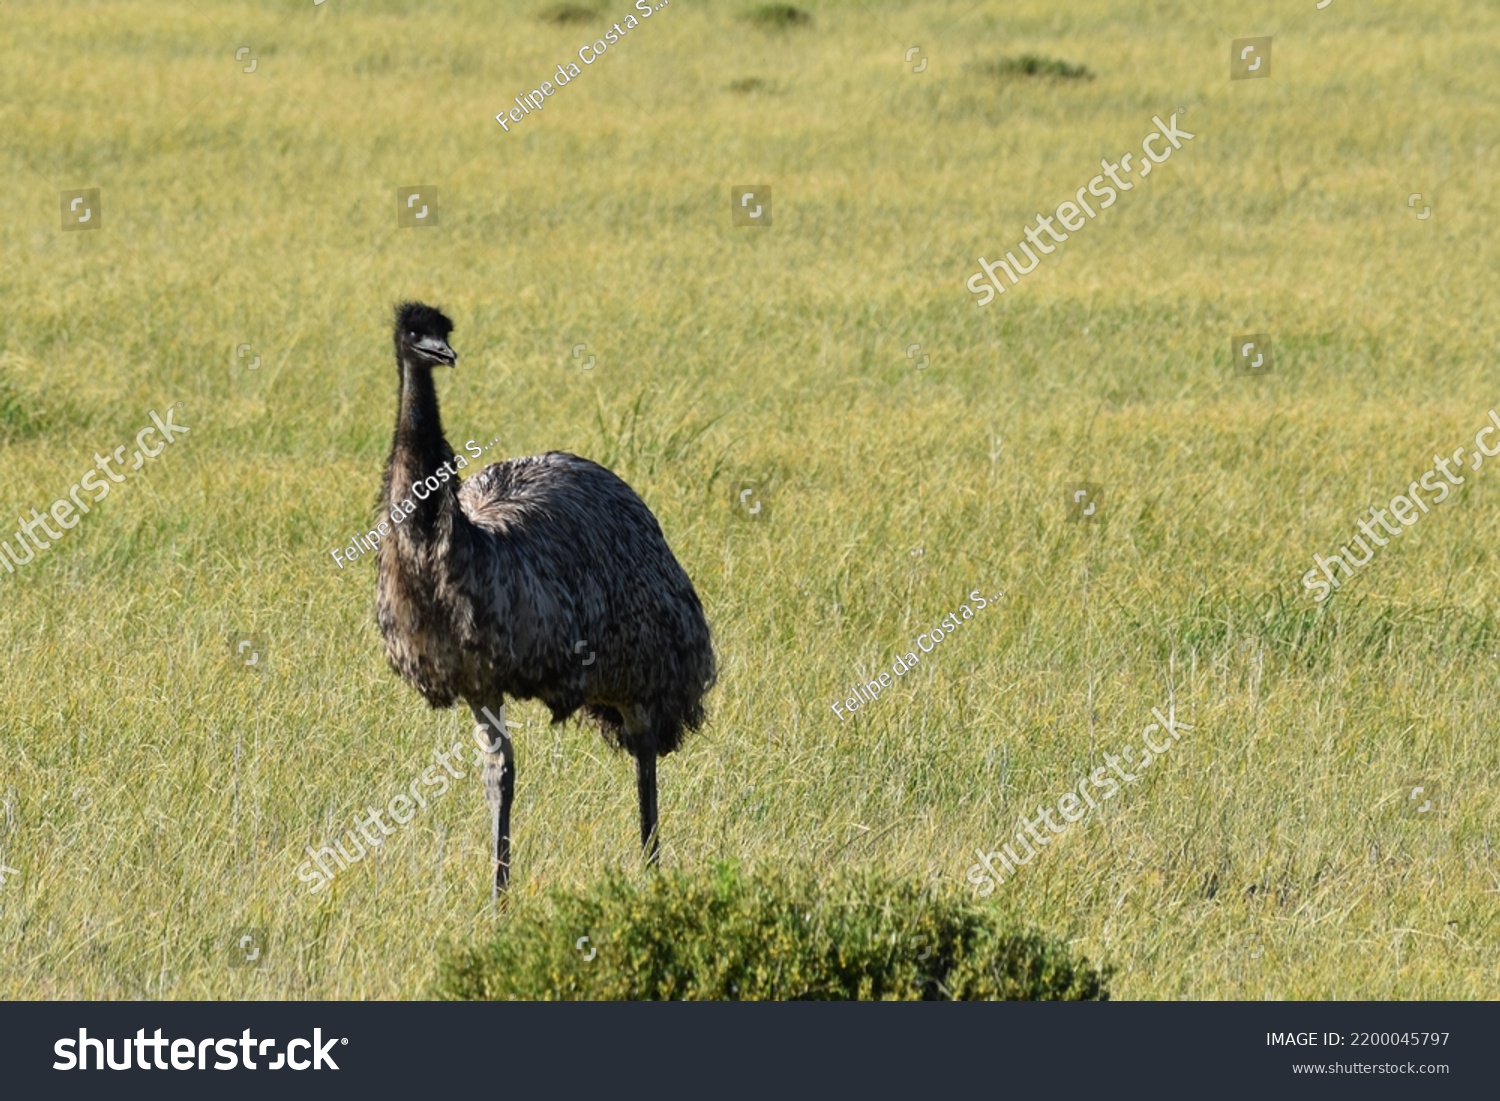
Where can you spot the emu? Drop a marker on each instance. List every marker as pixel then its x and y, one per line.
pixel 536 578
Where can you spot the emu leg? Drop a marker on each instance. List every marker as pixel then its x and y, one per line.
pixel 645 782
pixel 499 779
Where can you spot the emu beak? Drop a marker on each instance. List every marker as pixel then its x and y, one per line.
pixel 438 349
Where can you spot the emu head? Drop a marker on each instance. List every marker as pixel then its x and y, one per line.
pixel 422 336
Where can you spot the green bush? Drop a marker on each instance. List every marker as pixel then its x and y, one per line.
pixel 721 936
pixel 563 14
pixel 779 16
pixel 1031 65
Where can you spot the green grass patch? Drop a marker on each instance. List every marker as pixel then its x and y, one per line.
pixel 749 84
pixel 19 419
pixel 565 14
pixel 779 16
pixel 722 935
pixel 1007 68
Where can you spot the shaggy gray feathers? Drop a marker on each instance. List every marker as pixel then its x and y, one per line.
pixel 548 578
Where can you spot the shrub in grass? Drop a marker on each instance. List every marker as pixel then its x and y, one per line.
pixel 746 85
pixel 1030 65
pixel 779 16
pixel 563 14
pixel 725 936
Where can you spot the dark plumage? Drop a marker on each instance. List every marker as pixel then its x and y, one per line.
pixel 537 578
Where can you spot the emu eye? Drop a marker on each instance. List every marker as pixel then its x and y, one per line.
pixel 412 333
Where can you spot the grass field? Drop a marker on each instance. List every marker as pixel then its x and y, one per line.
pixel 156 795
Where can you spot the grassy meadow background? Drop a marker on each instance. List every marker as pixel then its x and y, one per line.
pixel 156 796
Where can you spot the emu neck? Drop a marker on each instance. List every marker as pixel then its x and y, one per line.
pixel 418 421
pixel 418 452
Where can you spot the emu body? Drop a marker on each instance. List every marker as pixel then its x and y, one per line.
pixel 537 578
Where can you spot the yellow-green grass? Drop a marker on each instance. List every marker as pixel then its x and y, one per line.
pixel 156 798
